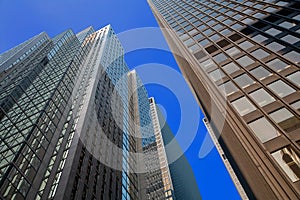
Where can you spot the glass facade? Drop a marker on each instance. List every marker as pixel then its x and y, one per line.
pixel 252 48
pixel 65 130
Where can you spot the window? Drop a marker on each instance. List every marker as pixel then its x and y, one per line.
pixel 287 25
pixel 233 51
pixel 274 46
pixel 228 88
pixel 220 57
pixel 245 61
pixel 277 65
pixel 273 31
pixel 292 56
pixel 236 26
pixel 295 78
pixel 228 21
pixel 288 160
pixel 218 26
pixel 259 15
pixel 270 9
pixel 188 42
pixel 207 64
pixel 263 129
pixel 281 88
pixel 204 42
pixel 243 106
pixel 246 45
pixel 207 32
pixel 230 68
pixel 297 17
pixel 225 32
pixel 296 105
pixel 194 48
pixel 259 54
pixel 290 39
pixel 237 16
pixel 285 119
pixel 244 80
pixel 214 37
pixel 259 38
pixel 248 21
pixel 261 97
pixel 216 75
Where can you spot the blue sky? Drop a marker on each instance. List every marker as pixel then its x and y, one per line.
pixel 21 20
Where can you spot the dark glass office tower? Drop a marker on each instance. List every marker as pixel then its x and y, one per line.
pixel 241 60
pixel 179 180
pixel 65 131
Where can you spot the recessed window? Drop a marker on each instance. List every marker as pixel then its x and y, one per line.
pixel 277 64
pixel 270 9
pixel 225 32
pixel 192 32
pixel 228 21
pixel 282 3
pixel 236 26
pixel 281 88
pixel 214 37
pixel 198 36
pixel 228 88
pixel 259 54
pixel 273 31
pixel 237 16
pixel 233 51
pixel 287 24
pixel 296 105
pixel 295 78
pixel 220 57
pixel 259 38
pixel 285 119
pixel 244 80
pixel 274 46
pixel 184 37
pixel 288 160
pixel 204 42
pixel 218 26
pixel 248 11
pixel 290 39
pixel 261 97
pixel 230 68
pixel 194 48
pixel 248 21
pixel 259 15
pixel 188 42
pixel 207 32
pixel 216 75
pixel 243 106
pixel 292 56
pixel 207 64
pixel 263 129
pixel 297 17
pixel 245 61
pixel 246 45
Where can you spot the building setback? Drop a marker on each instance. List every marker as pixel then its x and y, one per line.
pixel 241 61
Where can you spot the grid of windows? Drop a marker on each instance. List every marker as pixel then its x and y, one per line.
pixel 251 52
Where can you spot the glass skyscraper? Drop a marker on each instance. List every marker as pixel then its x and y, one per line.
pixel 70 125
pixel 178 177
pixel 241 60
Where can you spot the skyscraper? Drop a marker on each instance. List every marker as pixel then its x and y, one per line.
pixel 177 172
pixel 66 119
pixel 241 60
